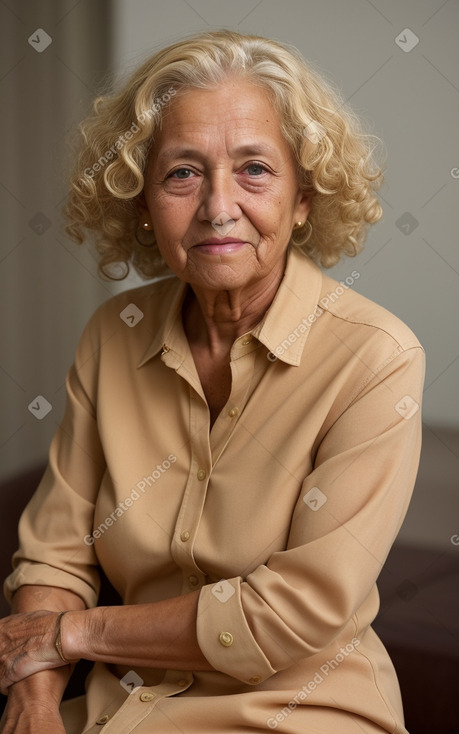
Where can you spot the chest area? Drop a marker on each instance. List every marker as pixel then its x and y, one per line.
pixel 215 376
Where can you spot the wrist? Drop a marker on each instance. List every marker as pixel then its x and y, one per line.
pixel 58 641
pixel 46 688
pixel 74 634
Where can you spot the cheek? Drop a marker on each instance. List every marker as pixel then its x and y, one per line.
pixel 170 216
pixel 271 217
pixel 273 205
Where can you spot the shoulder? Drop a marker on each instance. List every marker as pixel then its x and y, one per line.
pixel 132 306
pixel 366 344
pixel 125 325
pixel 357 314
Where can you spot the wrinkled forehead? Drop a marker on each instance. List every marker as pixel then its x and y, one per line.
pixel 236 117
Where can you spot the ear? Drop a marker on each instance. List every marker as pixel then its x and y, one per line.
pixel 303 206
pixel 142 209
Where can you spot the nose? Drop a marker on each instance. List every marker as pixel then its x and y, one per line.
pixel 220 199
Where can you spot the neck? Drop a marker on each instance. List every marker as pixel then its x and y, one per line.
pixel 214 319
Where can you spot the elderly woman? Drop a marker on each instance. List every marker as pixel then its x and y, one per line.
pixel 241 435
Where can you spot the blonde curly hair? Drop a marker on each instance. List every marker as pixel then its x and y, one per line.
pixel 335 158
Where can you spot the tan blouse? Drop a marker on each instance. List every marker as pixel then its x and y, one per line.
pixel 282 514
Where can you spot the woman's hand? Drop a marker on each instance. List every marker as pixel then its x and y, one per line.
pixel 27 646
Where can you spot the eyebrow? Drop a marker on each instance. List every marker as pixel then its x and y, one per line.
pixel 251 149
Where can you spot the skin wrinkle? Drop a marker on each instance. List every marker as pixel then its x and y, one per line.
pixel 231 292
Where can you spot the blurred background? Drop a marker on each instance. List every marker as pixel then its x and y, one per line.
pixel 397 65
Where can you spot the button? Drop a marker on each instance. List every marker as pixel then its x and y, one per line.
pixel 233 412
pixel 247 339
pixel 103 719
pixel 226 639
pixel 182 682
pixel 185 536
pixel 255 679
pixel 165 349
pixel 201 474
pixel 145 697
pixel 194 581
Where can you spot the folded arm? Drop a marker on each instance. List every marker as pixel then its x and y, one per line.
pixel 36 698
pixel 157 635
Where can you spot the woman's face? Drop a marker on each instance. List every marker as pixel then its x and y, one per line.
pixel 221 188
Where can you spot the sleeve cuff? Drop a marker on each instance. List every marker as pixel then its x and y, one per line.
pixel 225 637
pixel 40 574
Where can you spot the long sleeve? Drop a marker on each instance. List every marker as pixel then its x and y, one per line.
pixel 52 551
pixel 348 513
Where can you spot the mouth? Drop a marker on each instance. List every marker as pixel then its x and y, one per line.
pixel 219 245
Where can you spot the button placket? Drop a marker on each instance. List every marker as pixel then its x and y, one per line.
pixel 242 369
pixel 187 524
pixel 136 707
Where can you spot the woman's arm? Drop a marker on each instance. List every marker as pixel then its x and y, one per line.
pixel 157 635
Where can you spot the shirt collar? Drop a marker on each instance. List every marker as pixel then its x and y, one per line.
pixel 284 328
pixel 167 320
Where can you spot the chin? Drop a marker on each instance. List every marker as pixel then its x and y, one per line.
pixel 222 276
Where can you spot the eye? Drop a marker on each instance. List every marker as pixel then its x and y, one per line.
pixel 181 173
pixel 256 169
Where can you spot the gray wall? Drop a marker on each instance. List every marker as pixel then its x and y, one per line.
pixel 48 286
pixel 410 99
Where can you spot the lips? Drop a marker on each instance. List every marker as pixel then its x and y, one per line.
pixel 219 245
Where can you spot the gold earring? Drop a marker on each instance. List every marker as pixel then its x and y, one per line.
pixel 308 224
pixel 143 236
